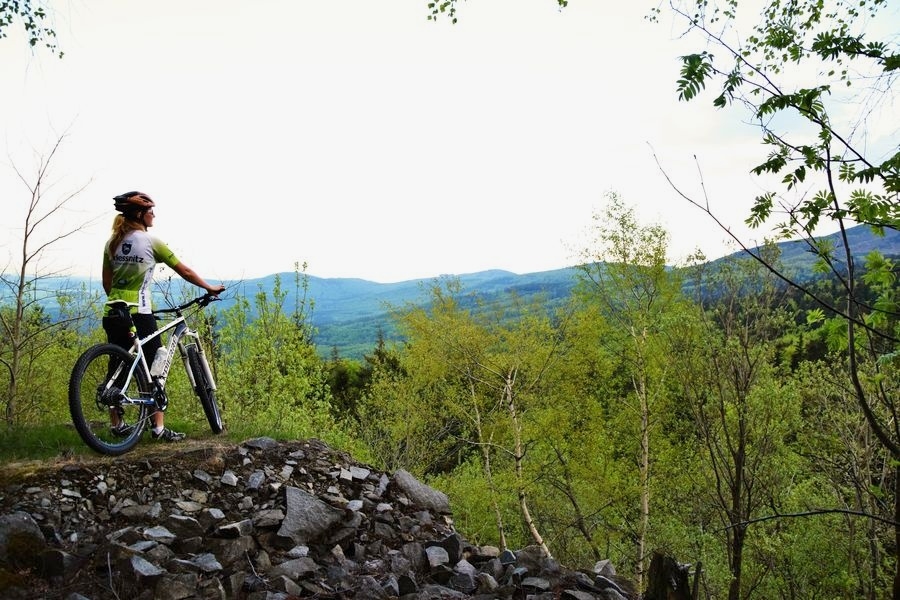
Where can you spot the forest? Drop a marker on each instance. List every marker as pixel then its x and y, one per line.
pixel 738 419
pixel 638 416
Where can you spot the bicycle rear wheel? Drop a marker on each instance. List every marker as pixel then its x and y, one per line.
pixel 204 389
pixel 95 393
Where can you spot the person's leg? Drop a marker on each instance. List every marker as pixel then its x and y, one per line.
pixel 118 331
pixel 146 325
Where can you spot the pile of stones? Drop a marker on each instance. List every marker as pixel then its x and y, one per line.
pixel 260 520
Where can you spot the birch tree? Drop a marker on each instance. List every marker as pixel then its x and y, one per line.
pixel 625 276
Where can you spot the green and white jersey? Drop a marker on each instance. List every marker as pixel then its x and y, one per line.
pixel 132 267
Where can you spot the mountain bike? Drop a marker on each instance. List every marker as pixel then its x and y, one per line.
pixel 108 379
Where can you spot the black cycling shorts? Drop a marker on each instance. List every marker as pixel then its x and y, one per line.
pixel 117 329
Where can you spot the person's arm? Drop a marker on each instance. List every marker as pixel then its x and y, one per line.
pixel 107 277
pixel 191 276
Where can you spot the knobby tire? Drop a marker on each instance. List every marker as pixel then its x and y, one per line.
pixel 90 415
pixel 204 390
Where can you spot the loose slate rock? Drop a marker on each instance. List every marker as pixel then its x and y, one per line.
pixel 421 494
pixel 270 520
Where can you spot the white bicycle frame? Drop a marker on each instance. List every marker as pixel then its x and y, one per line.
pixel 181 330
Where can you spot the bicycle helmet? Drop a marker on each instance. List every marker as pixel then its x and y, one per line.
pixel 133 202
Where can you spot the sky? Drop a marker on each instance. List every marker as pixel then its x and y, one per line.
pixel 361 139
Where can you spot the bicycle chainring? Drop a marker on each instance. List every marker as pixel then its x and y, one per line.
pixel 162 401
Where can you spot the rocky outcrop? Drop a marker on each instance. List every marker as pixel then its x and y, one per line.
pixel 259 520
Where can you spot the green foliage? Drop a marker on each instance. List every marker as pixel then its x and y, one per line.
pixel 346 381
pixel 270 375
pixel 437 405
pixel 811 76
pixel 881 277
pixel 447 8
pixel 625 279
pixel 765 81
pixel 695 70
pixel 746 414
pixel 474 502
pixel 35 20
pixel 848 472
pixel 426 397
pixel 585 473
pixel 351 382
pixel 395 441
pixel 33 347
pixel 473 388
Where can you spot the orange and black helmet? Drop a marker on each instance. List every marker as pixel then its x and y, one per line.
pixel 133 203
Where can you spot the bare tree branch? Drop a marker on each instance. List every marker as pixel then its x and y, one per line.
pixel 28 338
pixel 813 513
pixel 762 261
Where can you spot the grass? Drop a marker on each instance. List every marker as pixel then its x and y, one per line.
pixel 49 442
pixel 40 442
pixel 55 441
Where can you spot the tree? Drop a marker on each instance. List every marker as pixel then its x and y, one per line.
pixel 852 478
pixel 586 493
pixel 270 373
pixel 626 277
pixel 474 379
pixel 34 19
pixel 743 407
pixel 798 73
pixel 815 76
pixel 27 329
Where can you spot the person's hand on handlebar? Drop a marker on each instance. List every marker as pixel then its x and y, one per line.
pixel 215 290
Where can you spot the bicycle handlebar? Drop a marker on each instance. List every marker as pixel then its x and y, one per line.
pixel 201 301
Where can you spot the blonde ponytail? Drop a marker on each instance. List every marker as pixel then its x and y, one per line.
pixel 120 228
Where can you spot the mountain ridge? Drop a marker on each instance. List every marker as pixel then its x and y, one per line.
pixel 350 314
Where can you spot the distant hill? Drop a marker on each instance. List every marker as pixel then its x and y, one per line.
pixel 798 256
pixel 349 314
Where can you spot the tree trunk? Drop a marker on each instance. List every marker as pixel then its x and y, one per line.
pixel 645 481
pixel 737 551
pixel 737 518
pixel 519 457
pixel 667 580
pixel 498 516
pixel 896 594
pixel 569 492
pixel 486 464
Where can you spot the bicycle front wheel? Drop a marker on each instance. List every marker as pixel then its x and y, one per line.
pixel 96 396
pixel 204 389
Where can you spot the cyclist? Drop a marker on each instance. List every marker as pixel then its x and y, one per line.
pixel 129 258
